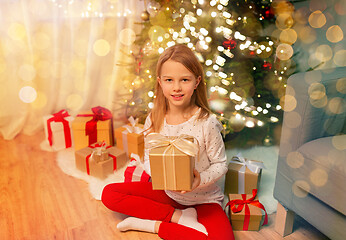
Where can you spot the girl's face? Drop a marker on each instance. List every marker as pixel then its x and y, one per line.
pixel 177 83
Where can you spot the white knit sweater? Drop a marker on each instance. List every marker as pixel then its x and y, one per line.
pixel 212 164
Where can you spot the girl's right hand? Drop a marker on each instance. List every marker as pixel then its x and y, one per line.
pixel 196 181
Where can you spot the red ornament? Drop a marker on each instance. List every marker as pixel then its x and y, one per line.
pixel 230 44
pixel 268 13
pixel 267 65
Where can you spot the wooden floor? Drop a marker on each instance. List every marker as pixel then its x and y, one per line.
pixel 38 201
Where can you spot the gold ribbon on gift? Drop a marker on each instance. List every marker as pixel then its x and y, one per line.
pixel 182 142
pixel 100 152
pixel 132 128
pixel 253 166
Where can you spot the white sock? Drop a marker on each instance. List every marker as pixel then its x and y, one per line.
pixel 133 223
pixel 188 218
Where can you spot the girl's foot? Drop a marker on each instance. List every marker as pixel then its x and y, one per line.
pixel 188 218
pixel 132 223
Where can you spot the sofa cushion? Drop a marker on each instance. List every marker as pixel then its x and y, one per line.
pixel 323 170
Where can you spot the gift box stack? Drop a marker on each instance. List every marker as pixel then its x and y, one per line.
pixel 100 160
pixel 92 135
pixel 241 186
pixel 93 126
pixel 57 128
pixel 130 138
pixel 172 160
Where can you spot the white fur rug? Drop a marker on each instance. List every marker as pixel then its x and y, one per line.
pixel 269 155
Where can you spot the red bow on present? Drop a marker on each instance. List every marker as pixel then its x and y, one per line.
pixel 237 205
pixel 99 114
pixel 88 157
pixel 60 117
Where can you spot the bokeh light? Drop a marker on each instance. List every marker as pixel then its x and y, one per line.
pixel 288 36
pixel 27 94
pixel 336 105
pixel 341 85
pixel 334 34
pixel 316 91
pixel 74 102
pixel 318 177
pixel 295 159
pixel 101 47
pixel 288 103
pixel 317 19
pixel 339 58
pixel 127 36
pixel 300 188
pixel 323 53
pixel 339 142
pixel 284 51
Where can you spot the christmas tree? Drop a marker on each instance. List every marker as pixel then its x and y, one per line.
pixel 246 61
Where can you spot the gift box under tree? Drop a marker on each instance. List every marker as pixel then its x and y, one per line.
pixel 245 212
pixel 100 160
pixel 93 126
pixel 172 160
pixel 130 138
pixel 243 175
pixel 135 171
pixel 57 128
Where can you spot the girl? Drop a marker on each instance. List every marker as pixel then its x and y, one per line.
pixel 180 107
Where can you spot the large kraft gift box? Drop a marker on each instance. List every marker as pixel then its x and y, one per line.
pixel 130 138
pixel 57 128
pixel 99 161
pixel 243 175
pixel 172 160
pixel 245 212
pixel 93 126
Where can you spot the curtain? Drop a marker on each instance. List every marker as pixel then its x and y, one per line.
pixel 62 54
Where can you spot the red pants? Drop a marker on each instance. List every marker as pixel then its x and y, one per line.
pixel 138 199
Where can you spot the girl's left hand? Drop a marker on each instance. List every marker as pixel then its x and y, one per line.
pixel 196 181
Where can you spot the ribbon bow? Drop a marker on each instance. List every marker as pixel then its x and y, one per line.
pixel 237 205
pixel 155 140
pixel 98 149
pixel 253 166
pixel 133 128
pixel 60 117
pixel 99 114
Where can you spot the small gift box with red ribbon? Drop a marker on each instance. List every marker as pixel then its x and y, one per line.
pixel 57 128
pixel 135 171
pixel 130 138
pixel 100 160
pixel 172 160
pixel 243 175
pixel 93 126
pixel 245 212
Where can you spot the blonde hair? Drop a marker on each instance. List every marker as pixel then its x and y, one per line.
pixel 184 55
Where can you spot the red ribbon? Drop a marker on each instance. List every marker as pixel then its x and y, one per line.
pixel 88 157
pixel 237 205
pixel 60 117
pixel 99 114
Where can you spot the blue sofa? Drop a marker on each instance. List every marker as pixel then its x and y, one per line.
pixel 310 180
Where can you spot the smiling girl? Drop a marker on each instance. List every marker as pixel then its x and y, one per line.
pixel 180 107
